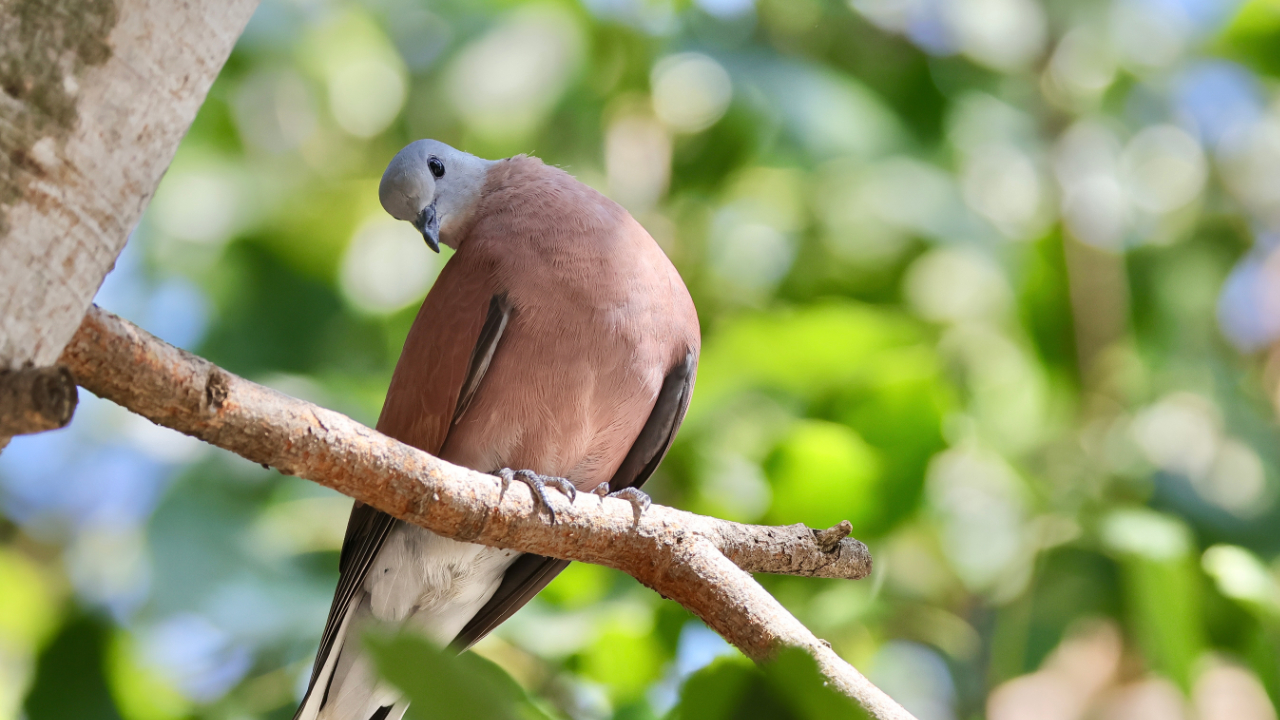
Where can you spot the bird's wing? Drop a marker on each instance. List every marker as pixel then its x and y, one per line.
pixel 367 528
pixel 494 324
pixel 530 573
pixel 439 376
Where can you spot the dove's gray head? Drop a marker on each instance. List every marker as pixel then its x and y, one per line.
pixel 433 186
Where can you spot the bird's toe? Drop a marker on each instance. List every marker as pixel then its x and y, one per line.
pixel 506 475
pixel 638 499
pixel 566 487
pixel 538 484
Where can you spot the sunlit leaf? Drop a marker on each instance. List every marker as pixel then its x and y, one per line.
pixel 580 585
pixel 1162 586
pixel 802 351
pixel 625 659
pixel 28 605
pixel 823 473
pixel 1252 35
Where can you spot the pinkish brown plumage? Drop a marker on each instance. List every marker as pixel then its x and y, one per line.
pixel 558 339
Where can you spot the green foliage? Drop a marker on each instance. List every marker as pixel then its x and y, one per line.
pixel 140 691
pixel 1253 34
pixel 805 352
pixel 623 659
pixel 28 605
pixel 789 687
pixel 1161 583
pixel 826 472
pixel 442 684
pixel 70 680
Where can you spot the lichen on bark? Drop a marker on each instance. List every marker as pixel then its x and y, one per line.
pixel 45 45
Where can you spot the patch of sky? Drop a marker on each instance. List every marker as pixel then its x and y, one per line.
pixel 1217 98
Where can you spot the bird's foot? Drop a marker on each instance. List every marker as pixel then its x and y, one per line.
pixel 538 484
pixel 639 500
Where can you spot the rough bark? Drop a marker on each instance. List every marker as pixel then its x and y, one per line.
pixel 700 562
pixel 94 97
pixel 36 399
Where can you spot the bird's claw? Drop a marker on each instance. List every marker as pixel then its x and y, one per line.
pixel 639 500
pixel 538 484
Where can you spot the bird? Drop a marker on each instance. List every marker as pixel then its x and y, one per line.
pixel 558 348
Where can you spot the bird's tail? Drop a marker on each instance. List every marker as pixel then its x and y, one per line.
pixel 347 687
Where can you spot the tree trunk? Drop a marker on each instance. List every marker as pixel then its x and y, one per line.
pixel 95 96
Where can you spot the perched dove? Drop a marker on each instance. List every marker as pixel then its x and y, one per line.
pixel 557 348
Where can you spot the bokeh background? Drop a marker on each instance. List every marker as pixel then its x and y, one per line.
pixel 996 280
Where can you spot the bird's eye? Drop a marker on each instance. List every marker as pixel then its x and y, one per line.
pixel 436 167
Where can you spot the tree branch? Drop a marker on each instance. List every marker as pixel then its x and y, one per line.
pixel 36 399
pixel 695 560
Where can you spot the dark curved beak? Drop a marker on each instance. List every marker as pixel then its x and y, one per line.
pixel 429 225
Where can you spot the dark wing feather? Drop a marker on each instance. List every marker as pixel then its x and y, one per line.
pixel 368 527
pixel 494 323
pixel 659 430
pixel 530 573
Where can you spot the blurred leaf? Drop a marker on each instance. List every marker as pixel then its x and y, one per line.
pixel 794 675
pixel 702 161
pixel 625 659
pixel 862 366
pixel 213 127
pixel 1241 576
pixel 714 692
pixel 271 318
pixel 1253 34
pixel 823 473
pixel 802 351
pixel 1164 599
pixel 140 692
pixel 311 229
pixel 829 114
pixel 343 37
pixel 442 684
pixel 28 605
pixel 1044 305
pixel 1071 583
pixel 899 411
pixel 1162 588
pixel 580 585
pixel 787 688
pixel 1263 656
pixel 669 620
pixel 901 73
pixel 70 679
pixel 195 536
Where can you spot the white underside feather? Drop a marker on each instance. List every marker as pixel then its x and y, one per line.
pixel 419 580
